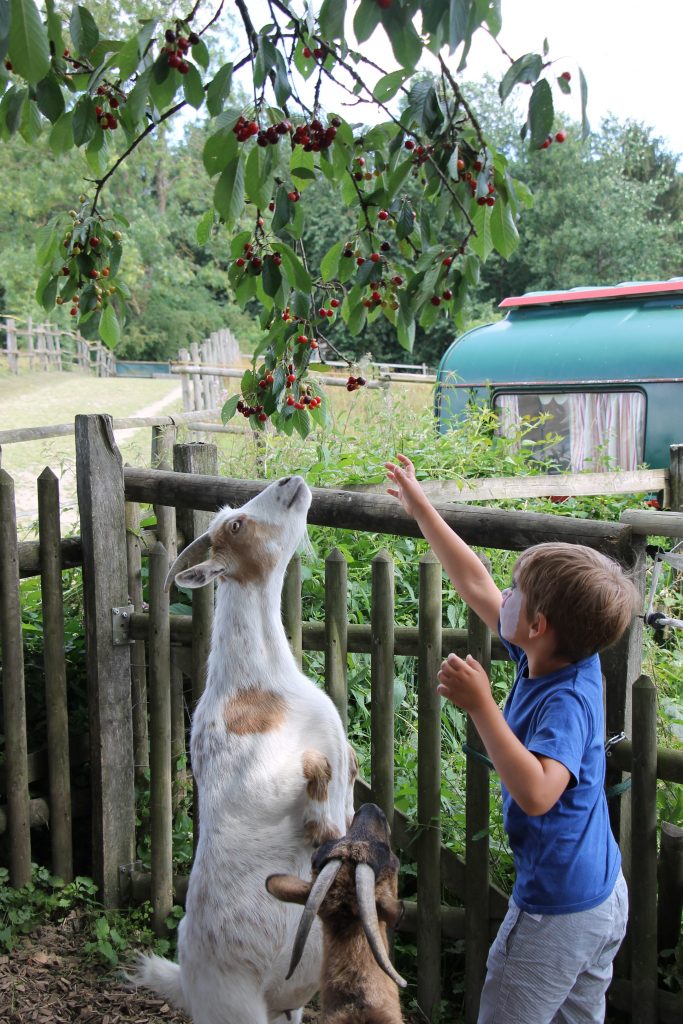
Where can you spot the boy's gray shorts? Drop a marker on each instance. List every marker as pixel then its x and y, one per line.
pixel 554 968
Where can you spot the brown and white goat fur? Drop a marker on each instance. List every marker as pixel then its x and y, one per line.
pixel 354 892
pixel 274 776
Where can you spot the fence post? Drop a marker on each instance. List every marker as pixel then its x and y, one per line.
pixel 336 631
pixel 99 479
pixel 382 684
pixel 13 693
pixel 291 607
pixel 202 459
pixel 55 675
pixel 476 839
pixel 429 788
pixel 676 477
pixel 138 669
pixel 643 893
pixel 160 741
pixel 11 346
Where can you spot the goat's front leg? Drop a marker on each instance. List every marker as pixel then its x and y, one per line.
pixel 318 822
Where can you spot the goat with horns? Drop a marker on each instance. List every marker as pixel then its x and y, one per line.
pixel 274 777
pixel 354 893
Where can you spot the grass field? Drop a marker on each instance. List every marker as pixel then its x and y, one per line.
pixel 42 399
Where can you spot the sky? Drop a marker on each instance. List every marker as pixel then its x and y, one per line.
pixel 629 50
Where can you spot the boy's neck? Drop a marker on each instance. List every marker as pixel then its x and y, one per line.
pixel 542 661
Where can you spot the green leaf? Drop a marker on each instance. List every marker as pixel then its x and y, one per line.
pixel 524 69
pixel 54 27
pixel 128 58
pixel 201 54
pixel 204 227
pixel 271 277
pixel 110 329
pixel 564 85
pixel 218 90
pixel 331 19
pixel 504 234
pixel 258 181
pixel 12 108
pixel 193 87
pixel 405 331
pixel 481 243
pixel 137 97
pixel 540 113
pixel 330 261
pixel 423 105
pixel 84 120
pixel 585 126
pixel 228 197
pixel 403 36
pixel 84 32
pixel 229 409
pixel 388 85
pixel 219 150
pixel 28 44
pixel 366 19
pixel 49 98
pixel 294 268
pixel 458 23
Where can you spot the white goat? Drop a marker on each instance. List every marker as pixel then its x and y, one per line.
pixel 274 775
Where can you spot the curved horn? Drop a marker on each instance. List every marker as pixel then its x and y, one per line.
pixel 318 892
pixel 190 555
pixel 365 892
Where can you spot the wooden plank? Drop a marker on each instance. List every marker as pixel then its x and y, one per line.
pixel 643 893
pixel 336 629
pixel 382 683
pixel 160 742
pixel 649 523
pixel 428 843
pixel 514 487
pixel 138 666
pixel 670 887
pixel 375 513
pixel 477 928
pixel 291 607
pixel 55 675
pixel 13 693
pixel 99 478
pixel 121 423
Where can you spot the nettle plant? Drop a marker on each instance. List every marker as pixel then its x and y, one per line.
pixel 432 197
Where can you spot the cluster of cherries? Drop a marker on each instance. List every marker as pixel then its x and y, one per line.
pixel 319 52
pixel 256 262
pixel 315 136
pixel 251 410
pixel 107 118
pixel 558 137
pixel 353 383
pixel 176 48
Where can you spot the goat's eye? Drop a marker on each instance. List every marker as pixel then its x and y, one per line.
pixel 235 525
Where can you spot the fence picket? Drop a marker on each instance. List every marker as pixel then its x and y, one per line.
pixel 291 607
pixel 55 675
pixel 13 692
pixel 160 741
pixel 138 661
pixel 336 631
pixel 477 845
pixel 428 845
pixel 382 684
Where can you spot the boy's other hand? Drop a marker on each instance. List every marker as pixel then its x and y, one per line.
pixel 464 682
pixel 407 488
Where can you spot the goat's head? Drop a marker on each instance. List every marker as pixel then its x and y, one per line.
pixel 250 542
pixel 353 878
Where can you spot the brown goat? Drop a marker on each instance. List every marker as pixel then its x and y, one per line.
pixel 354 892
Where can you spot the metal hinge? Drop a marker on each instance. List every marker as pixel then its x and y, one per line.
pixel 612 742
pixel 120 625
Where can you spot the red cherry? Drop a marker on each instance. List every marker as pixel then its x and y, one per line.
pixel 566 75
pixel 383 215
pixel 398 280
pixel 334 303
pixel 448 294
pixel 269 378
pixel 384 4
pixel 409 144
pixel 446 262
pixel 435 300
pixel 307 52
pixel 375 257
pixel 560 137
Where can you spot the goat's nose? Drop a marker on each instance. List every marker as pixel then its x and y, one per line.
pixel 285 480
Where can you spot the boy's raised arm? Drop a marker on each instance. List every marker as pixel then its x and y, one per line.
pixel 463 567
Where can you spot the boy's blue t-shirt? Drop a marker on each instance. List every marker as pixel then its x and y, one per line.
pixel 567 859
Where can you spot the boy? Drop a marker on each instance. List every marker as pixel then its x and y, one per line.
pixel 552 958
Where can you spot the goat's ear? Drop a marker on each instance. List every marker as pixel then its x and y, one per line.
pixel 288 888
pixel 389 909
pixel 199 575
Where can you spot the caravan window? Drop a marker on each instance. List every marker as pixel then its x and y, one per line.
pixel 598 431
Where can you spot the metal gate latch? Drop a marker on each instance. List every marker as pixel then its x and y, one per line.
pixel 120 625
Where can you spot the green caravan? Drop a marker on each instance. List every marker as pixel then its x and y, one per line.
pixel 602 366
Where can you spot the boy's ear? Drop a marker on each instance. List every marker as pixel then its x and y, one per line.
pixel 539 626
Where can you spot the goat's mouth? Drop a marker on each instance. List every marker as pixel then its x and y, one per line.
pixel 299 489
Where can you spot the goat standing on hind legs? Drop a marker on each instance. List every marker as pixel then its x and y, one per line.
pixel 274 776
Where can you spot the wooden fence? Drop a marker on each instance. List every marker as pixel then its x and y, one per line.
pixel 135 695
pixel 48 347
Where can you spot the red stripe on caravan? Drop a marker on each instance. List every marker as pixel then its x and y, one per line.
pixel 581 294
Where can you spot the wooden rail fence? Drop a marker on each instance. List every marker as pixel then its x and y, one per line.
pixel 47 347
pixel 144 652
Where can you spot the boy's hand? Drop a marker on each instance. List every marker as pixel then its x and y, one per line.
pixel 464 683
pixel 408 490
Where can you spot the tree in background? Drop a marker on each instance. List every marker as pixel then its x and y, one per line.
pixel 412 253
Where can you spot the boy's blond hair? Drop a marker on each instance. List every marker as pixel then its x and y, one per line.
pixel 586 597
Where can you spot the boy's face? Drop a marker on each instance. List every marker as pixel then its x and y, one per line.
pixel 514 625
